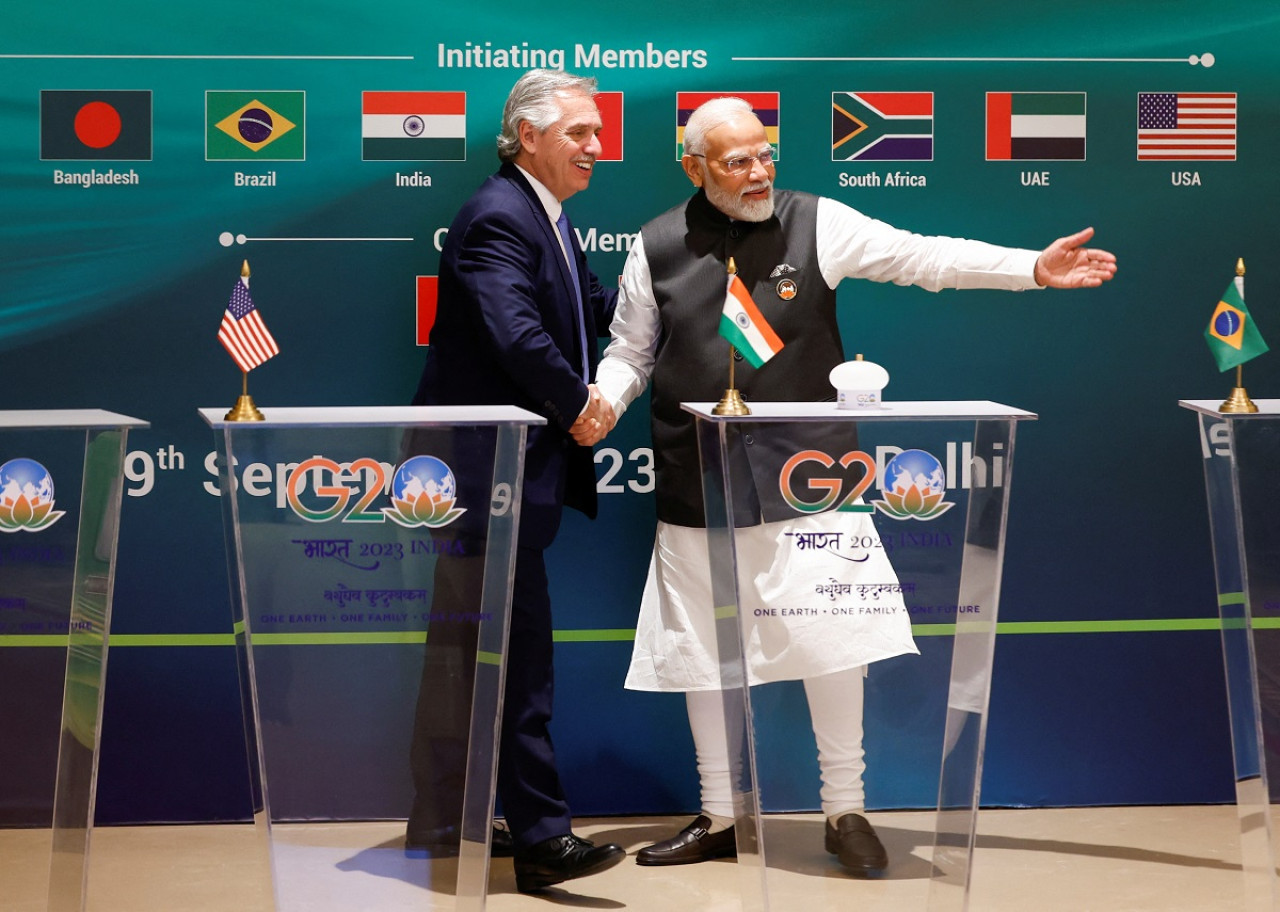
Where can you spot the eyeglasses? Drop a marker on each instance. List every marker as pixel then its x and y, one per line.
pixel 742 163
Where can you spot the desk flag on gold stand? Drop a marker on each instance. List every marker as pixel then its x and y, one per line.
pixel 747 331
pixel 246 338
pixel 1233 339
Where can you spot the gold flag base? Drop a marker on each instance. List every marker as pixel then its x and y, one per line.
pixel 731 404
pixel 1238 402
pixel 244 410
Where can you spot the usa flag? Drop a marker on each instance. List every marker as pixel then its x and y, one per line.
pixel 1186 126
pixel 243 333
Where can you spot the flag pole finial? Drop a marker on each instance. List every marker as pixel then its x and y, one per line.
pixel 733 267
pixel 244 270
pixel 1240 266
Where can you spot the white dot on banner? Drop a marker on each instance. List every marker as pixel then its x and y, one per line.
pixel 1206 60
pixel 240 238
pixel 225 239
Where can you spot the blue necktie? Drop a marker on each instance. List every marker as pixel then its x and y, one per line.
pixel 562 223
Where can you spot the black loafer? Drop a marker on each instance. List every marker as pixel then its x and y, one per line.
pixel 856 844
pixel 691 845
pixel 562 858
pixel 444 841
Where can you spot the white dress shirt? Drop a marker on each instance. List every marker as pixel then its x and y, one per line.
pixel 850 245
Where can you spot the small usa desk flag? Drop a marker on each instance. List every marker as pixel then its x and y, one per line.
pixel 745 327
pixel 242 333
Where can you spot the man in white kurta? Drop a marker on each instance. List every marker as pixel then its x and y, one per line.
pixel 665 332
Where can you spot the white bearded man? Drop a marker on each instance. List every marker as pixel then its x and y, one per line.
pixel 665 332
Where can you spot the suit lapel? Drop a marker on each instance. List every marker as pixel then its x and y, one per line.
pixel 551 238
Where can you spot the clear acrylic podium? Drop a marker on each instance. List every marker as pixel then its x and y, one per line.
pixel 936 477
pixel 61 474
pixel 354 537
pixel 1241 453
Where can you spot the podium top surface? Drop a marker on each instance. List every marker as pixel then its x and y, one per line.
pixel 887 411
pixel 1267 408
pixel 377 416
pixel 70 419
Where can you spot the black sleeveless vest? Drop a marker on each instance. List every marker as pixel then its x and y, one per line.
pixel 688 249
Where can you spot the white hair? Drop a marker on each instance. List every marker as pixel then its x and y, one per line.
pixel 534 98
pixel 707 117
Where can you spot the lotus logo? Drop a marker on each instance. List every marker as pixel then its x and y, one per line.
pixel 423 493
pixel 26 497
pixel 915 486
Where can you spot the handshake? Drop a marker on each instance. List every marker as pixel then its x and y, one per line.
pixel 595 421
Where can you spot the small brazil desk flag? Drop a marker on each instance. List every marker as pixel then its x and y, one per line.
pixel 1232 335
pixel 745 327
pixel 242 333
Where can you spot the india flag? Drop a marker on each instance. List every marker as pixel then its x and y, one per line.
pixel 414 126
pixel 745 327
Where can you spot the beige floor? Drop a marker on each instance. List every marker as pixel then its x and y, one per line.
pixel 1061 860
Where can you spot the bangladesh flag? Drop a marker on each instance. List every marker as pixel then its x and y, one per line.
pixel 1232 335
pixel 95 126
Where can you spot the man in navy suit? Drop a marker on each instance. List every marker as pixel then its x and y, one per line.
pixel 518 315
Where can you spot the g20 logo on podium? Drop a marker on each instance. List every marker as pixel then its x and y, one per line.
pixel 26 497
pixel 915 489
pixel 423 491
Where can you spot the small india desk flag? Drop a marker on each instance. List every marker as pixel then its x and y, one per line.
pixel 242 333
pixel 745 327
pixel 1232 335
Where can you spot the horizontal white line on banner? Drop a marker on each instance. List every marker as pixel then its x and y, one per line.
pixel 199 57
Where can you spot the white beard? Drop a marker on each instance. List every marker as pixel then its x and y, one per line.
pixel 738 208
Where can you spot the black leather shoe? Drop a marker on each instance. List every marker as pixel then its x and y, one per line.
pixel 856 844
pixel 562 858
pixel 691 845
pixel 443 841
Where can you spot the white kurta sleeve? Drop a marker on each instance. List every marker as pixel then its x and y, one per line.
pixel 628 360
pixel 854 246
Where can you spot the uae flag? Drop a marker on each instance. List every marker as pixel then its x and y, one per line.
pixel 1035 126
pixel 414 126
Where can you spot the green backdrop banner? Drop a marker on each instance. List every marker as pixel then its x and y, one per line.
pixel 147 150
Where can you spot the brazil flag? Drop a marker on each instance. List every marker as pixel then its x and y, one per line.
pixel 255 126
pixel 1232 335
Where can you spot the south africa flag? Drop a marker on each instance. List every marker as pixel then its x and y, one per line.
pixel 882 126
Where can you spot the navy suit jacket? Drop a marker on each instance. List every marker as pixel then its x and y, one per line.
pixel 506 333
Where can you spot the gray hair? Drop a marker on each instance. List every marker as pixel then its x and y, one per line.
pixel 534 98
pixel 707 117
